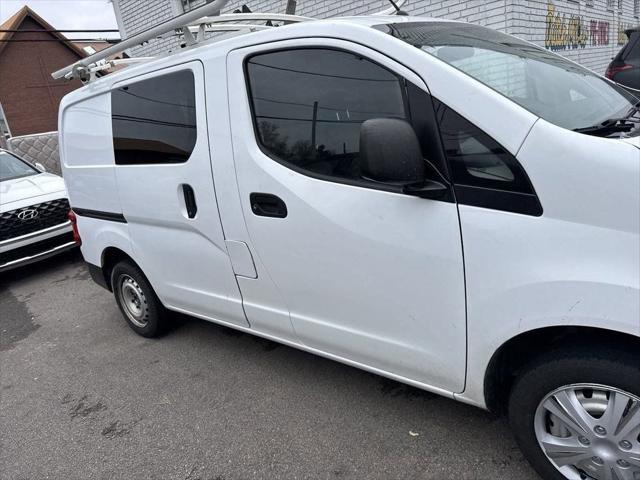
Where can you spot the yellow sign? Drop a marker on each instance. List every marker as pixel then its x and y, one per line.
pixel 564 32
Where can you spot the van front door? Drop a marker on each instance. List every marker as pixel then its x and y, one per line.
pixel 370 277
pixel 166 189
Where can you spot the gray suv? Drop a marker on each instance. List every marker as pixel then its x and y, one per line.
pixel 625 67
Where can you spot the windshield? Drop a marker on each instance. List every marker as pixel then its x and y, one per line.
pixel 544 83
pixel 12 167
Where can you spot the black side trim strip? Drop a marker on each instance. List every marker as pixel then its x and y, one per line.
pixel 524 203
pixel 112 217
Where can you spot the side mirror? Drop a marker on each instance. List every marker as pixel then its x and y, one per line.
pixel 390 153
pixel 40 167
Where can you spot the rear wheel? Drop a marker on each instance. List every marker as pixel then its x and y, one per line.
pixel 138 303
pixel 576 415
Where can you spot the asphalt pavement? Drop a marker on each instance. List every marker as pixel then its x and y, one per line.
pixel 83 397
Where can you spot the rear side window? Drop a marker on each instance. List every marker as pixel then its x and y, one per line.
pixel 309 105
pixel 154 120
pixel 632 49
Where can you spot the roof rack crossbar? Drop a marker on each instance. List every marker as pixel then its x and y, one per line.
pixel 192 26
pixel 181 21
pixel 256 17
pixel 223 23
pixel 228 27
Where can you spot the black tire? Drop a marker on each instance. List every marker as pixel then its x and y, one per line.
pixel 153 318
pixel 595 365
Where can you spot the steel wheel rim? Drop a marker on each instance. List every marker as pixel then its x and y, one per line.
pixel 133 300
pixel 590 432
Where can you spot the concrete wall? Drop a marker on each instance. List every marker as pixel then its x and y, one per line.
pixel 587 31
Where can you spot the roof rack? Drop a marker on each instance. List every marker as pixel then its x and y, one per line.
pixel 193 26
pixel 221 23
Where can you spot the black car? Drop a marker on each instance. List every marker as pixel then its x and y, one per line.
pixel 625 67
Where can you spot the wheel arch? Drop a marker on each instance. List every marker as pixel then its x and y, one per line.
pixel 109 258
pixel 517 352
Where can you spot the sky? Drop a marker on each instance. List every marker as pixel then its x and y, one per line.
pixel 71 14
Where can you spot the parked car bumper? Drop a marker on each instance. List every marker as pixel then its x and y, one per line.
pixel 19 251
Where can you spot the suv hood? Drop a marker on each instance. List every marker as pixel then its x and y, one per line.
pixel 29 187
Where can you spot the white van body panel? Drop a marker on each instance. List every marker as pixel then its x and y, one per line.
pixel 376 254
pixel 575 265
pixel 198 277
pixel 572 266
pixel 86 150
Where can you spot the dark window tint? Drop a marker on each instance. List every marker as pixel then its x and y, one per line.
pixel 154 121
pixel 484 173
pixel 632 49
pixel 309 105
pixel 475 158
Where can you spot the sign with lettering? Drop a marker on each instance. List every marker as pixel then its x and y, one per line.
pixel 570 31
pixel 564 32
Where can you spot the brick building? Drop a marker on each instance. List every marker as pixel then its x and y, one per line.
pixel 29 97
pixel 587 31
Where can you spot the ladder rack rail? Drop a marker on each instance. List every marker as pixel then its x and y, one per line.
pixel 79 68
pixel 192 26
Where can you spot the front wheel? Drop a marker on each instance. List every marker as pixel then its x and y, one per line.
pixel 576 415
pixel 138 303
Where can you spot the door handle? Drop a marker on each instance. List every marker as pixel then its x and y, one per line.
pixel 267 205
pixel 190 200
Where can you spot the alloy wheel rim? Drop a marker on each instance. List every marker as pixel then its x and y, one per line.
pixel 590 432
pixel 134 301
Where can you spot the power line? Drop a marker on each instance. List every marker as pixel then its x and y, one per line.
pixel 58 31
pixel 62 40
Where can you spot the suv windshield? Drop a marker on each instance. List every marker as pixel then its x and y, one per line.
pixel 12 167
pixel 544 83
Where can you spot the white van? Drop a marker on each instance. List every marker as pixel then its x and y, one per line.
pixel 432 201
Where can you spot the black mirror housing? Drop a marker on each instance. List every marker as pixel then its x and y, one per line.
pixel 390 152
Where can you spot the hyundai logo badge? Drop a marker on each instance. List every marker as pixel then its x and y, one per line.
pixel 28 214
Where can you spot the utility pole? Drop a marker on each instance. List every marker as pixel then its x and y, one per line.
pixel 314 124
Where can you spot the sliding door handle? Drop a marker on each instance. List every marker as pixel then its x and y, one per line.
pixel 267 205
pixel 189 200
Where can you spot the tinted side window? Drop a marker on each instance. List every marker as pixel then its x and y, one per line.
pixel 483 172
pixel 475 158
pixel 309 105
pixel 154 120
pixel 632 52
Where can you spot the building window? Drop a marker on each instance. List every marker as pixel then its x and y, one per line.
pixel 309 105
pixel 154 120
pixel 636 8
